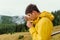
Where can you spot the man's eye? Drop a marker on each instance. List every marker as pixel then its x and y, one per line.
pixel 28 15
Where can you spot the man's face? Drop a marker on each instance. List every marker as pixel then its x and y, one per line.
pixel 32 16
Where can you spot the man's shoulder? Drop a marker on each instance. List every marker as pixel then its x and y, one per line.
pixel 44 19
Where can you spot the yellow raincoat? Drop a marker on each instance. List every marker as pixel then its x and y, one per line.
pixel 43 27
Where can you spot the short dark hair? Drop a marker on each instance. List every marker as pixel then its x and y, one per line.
pixel 30 8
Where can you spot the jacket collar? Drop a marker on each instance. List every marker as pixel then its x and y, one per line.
pixel 35 21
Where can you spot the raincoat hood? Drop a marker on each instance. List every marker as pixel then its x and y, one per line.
pixel 47 14
pixel 44 14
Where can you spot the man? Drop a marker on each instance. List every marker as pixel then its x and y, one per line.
pixel 39 23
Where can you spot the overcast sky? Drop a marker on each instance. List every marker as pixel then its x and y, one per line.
pixel 17 7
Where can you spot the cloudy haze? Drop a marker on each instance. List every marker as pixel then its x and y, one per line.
pixel 17 7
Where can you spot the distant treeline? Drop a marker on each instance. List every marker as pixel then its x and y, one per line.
pixel 56 20
pixel 11 28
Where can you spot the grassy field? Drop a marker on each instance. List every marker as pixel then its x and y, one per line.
pixel 26 35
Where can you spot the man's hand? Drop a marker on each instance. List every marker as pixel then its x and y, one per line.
pixel 27 18
pixel 29 21
pixel 29 24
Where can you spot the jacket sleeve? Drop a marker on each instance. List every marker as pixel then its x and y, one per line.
pixel 32 30
pixel 45 27
pixel 33 33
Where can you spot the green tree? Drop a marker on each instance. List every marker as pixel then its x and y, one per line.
pixel 56 20
pixel 6 19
